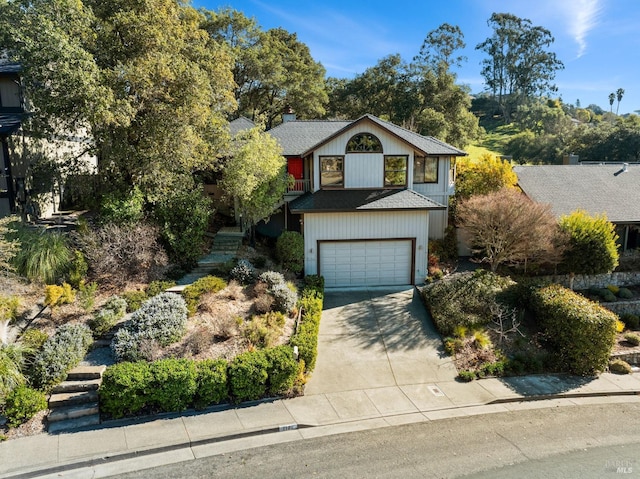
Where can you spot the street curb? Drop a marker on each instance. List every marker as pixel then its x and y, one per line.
pixel 89 463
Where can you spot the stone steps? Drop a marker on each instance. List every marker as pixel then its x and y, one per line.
pixel 72 398
pixel 77 386
pixel 74 403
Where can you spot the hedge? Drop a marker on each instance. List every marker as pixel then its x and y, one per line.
pixel 130 388
pixel 213 384
pixel 464 299
pixel 248 376
pixel 306 337
pixel 580 333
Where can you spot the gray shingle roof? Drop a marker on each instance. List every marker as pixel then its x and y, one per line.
pixel 596 189
pixel 298 137
pixel 301 137
pixel 240 124
pixel 427 144
pixel 333 201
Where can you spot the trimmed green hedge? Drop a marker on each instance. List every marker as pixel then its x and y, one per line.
pixel 129 388
pixel 580 333
pixel 465 299
pixel 248 376
pixel 213 384
pixel 306 337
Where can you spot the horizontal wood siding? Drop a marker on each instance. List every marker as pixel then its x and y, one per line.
pixel 366 226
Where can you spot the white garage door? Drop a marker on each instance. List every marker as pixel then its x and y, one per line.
pixel 366 263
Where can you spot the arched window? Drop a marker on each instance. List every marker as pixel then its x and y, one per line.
pixel 364 143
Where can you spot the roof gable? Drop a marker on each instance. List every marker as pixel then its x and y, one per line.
pixel 300 138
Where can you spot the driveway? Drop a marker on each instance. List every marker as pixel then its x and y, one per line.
pixel 377 338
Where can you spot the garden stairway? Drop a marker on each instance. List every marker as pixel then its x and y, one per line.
pixel 225 247
pixel 74 402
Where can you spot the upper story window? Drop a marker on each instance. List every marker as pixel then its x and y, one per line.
pixel 364 143
pixel 425 169
pixel 395 170
pixel 331 171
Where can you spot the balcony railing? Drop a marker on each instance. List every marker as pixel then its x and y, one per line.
pixel 299 187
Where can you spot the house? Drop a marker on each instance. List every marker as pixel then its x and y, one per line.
pixel 610 189
pixel 11 115
pixel 368 195
pixel 26 180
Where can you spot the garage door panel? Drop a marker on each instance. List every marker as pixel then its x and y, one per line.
pixel 366 263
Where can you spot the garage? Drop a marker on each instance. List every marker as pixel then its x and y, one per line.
pixel 367 263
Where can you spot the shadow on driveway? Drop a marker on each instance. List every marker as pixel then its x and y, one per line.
pixel 377 337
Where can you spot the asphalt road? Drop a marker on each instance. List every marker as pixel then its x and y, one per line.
pixel 591 441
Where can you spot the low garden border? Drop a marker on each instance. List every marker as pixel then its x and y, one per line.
pixel 173 385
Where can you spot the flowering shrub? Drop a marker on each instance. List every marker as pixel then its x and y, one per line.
pixel 243 272
pixel 272 278
pixel 285 298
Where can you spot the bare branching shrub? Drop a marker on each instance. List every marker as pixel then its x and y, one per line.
pixel 505 321
pixel 149 350
pixel 507 227
pixel 226 328
pixel 120 253
pixel 264 303
pixel 234 290
pixel 259 289
pixel 200 340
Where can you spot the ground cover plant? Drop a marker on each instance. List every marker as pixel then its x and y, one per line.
pixel 494 326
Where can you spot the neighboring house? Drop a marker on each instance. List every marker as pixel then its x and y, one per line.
pixel 11 115
pixel 610 189
pixel 368 196
pixel 40 194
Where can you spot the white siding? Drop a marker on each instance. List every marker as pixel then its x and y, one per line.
pixel 440 193
pixel 362 170
pixel 365 226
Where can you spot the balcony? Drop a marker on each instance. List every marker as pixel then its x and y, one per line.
pixel 299 187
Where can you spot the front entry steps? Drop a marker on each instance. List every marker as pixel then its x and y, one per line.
pixel 74 402
pixel 226 244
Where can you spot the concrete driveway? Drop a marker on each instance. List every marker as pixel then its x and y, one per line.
pixel 377 338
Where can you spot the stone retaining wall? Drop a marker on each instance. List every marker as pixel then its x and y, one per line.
pixel 623 307
pixel 581 281
pixel 632 358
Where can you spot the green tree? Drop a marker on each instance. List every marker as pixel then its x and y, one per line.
pixel 255 174
pixel 619 95
pixel 143 79
pixel 489 174
pixel 422 95
pixel 612 98
pixel 507 227
pixel 519 65
pixel 272 69
pixel 592 244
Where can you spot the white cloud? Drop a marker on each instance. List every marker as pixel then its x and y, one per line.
pixel 582 16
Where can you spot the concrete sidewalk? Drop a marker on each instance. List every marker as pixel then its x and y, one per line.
pixel 121 446
pixel 379 365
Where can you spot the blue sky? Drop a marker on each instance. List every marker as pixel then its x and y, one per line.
pixel 597 40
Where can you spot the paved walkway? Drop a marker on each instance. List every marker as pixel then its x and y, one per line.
pixel 384 393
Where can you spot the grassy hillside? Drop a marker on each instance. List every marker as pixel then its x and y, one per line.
pixel 492 143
